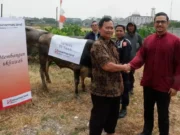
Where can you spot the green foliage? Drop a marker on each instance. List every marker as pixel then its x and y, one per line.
pixel 54 30
pixel 174 24
pixel 67 30
pixel 149 24
pixel 76 21
pixel 145 31
pixel 49 20
pixel 72 30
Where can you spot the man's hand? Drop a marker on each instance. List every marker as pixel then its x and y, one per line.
pixel 172 92
pixel 127 68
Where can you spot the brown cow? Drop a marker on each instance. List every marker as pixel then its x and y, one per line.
pixel 43 39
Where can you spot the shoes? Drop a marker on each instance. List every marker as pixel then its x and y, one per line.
pixel 122 113
pixel 131 92
pixel 121 101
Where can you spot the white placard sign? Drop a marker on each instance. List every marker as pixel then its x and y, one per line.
pixel 67 48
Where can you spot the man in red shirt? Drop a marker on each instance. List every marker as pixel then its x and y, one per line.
pixel 160 55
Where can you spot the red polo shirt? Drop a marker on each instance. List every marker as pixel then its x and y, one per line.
pixel 161 58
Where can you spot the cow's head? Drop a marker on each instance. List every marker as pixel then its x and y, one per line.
pixel 32 35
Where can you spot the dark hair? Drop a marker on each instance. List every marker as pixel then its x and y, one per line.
pixel 161 14
pixel 131 23
pixel 122 26
pixel 93 22
pixel 104 19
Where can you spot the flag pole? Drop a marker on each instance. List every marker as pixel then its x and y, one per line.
pixel 57 17
pixel 1 10
pixel 60 24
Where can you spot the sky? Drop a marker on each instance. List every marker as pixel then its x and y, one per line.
pixel 88 8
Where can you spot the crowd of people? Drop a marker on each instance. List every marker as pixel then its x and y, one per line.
pixel 113 67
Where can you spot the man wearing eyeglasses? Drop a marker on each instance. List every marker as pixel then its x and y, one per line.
pixel 160 55
pixel 94 34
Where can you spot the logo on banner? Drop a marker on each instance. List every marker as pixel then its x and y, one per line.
pixel 17 99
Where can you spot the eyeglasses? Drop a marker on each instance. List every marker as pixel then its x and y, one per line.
pixel 162 22
pixel 94 25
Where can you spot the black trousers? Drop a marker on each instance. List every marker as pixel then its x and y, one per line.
pixel 162 100
pixel 127 87
pixel 125 95
pixel 131 79
pixel 104 114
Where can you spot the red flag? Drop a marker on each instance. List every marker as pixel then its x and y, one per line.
pixel 62 18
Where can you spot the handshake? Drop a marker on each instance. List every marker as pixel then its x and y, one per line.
pixel 126 68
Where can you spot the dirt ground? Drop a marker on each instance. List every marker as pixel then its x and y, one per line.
pixel 59 112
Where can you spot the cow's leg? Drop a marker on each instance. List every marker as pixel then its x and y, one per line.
pixel 90 74
pixel 76 80
pixel 82 83
pixel 48 63
pixel 91 78
pixel 43 61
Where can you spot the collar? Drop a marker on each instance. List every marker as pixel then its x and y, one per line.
pixel 120 39
pixel 160 36
pixel 96 33
pixel 105 40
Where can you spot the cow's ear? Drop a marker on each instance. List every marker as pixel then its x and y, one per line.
pixel 28 28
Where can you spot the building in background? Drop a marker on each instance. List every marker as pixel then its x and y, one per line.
pixel 138 19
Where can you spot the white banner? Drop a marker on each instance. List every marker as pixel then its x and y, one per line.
pixel 66 48
pixel 15 83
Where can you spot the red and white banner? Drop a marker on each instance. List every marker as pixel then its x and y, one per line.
pixel 15 83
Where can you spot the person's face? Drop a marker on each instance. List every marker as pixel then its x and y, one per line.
pixel 131 28
pixel 107 30
pixel 94 26
pixel 161 24
pixel 119 32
